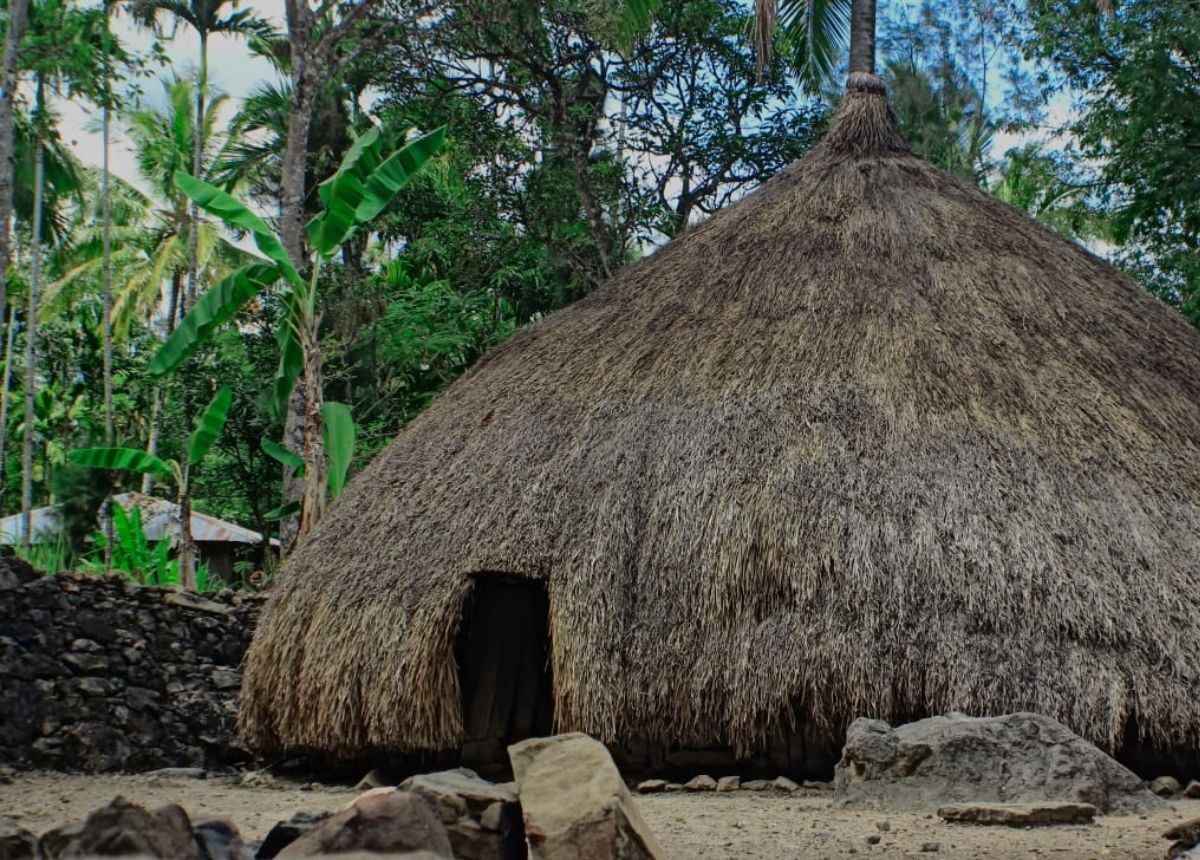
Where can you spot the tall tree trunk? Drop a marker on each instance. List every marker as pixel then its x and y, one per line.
pixel 862 36
pixel 292 172
pixel 31 316
pixel 4 389
pixel 106 277
pixel 160 391
pixel 18 13
pixel 187 546
pixel 315 465
pixel 291 223
pixel 197 168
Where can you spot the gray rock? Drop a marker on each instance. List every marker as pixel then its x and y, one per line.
pixel 123 828
pixel 652 786
pixel 1166 786
pixel 1019 814
pixel 704 782
pixel 375 778
pixel 219 840
pixel 1018 758
pixel 1186 832
pixel 782 783
pixel 1192 790
pixel 757 785
pixel 16 843
pixel 226 679
pixel 382 820
pixel 87 662
pixel 729 783
pixel 284 833
pixel 576 805
pixel 463 801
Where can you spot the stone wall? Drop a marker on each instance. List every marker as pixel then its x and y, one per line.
pixel 99 674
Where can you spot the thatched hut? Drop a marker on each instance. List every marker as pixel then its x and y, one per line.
pixel 868 442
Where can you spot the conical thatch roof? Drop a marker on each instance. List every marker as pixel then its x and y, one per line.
pixel 868 442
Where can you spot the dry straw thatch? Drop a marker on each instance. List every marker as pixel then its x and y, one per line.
pixel 868 442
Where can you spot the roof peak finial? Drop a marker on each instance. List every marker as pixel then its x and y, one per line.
pixel 865 82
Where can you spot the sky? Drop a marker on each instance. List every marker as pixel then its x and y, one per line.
pixel 232 70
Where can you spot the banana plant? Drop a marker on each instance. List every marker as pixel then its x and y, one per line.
pixel 370 176
pixel 338 438
pixel 208 427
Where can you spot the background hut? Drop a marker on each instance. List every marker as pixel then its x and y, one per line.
pixel 869 442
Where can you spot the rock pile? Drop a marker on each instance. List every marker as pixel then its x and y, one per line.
pixel 98 674
pixel 568 803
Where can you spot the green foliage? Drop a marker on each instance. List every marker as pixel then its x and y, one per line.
pixel 337 428
pixel 1137 73
pixel 127 459
pixel 233 213
pixel 209 425
pixel 216 307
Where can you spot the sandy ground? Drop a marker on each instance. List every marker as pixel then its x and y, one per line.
pixel 688 826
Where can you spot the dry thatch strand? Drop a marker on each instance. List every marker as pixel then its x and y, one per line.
pixel 869 442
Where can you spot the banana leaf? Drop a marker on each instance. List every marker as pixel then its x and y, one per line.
pixel 215 308
pixel 284 457
pixel 209 425
pixel 396 172
pixel 230 210
pixel 128 459
pixel 337 430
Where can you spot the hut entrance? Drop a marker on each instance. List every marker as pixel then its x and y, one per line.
pixel 504 668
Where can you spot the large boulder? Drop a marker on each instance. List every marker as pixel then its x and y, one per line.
pixel 382 820
pixel 123 828
pixel 575 804
pixel 1017 758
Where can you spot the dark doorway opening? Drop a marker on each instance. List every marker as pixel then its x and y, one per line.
pixel 503 653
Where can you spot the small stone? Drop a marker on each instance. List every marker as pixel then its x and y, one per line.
pixel 729 783
pixel 874 839
pixel 1165 786
pixel 756 785
pixel 179 773
pixel 95 686
pixel 651 786
pixel 1193 789
pixel 673 787
pixel 255 779
pixel 704 782
pixel 883 826
pixel 375 778
pixel 1019 814
pixel 491 817
pixel 814 785
pixel 782 783
pixel 1187 832
pixel 931 847
pixel 226 679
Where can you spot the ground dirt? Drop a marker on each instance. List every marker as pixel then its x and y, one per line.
pixel 688 826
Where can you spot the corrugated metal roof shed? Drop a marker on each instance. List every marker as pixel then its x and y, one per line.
pixel 159 519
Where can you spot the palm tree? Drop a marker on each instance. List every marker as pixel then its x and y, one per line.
pixel 158 254
pixel 18 13
pixel 811 31
pixel 207 18
pixel 60 188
